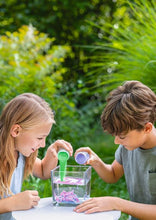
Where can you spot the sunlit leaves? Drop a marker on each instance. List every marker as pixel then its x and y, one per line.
pixel 27 58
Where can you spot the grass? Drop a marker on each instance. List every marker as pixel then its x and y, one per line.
pixel 103 145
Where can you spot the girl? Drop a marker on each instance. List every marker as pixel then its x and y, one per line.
pixel 25 123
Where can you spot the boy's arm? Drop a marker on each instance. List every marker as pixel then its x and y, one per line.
pixel 99 204
pixel 137 210
pixel 110 173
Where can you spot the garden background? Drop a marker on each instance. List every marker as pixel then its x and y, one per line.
pixel 72 53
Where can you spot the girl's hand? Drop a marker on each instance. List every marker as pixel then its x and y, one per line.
pixel 25 200
pixel 93 157
pixel 59 144
pixel 42 168
pixel 97 204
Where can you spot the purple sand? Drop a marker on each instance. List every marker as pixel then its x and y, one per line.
pixel 70 181
pixel 67 197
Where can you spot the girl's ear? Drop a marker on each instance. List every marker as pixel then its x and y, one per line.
pixel 15 130
pixel 148 127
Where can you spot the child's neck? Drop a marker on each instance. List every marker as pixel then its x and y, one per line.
pixel 151 140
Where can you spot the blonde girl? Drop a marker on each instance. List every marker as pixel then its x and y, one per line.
pixel 25 123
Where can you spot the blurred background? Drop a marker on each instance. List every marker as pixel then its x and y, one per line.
pixel 73 53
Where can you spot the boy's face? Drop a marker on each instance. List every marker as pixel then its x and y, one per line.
pixel 132 140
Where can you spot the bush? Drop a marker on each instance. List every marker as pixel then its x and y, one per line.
pixel 30 63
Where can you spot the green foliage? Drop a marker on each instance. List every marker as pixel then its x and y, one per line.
pixel 30 62
pixel 128 51
pixel 64 19
pixel 42 186
pixel 67 21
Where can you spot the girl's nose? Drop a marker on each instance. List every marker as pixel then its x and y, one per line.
pixel 42 144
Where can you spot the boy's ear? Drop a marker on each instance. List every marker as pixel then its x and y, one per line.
pixel 148 127
pixel 15 130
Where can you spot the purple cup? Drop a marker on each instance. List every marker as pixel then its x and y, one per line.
pixel 82 157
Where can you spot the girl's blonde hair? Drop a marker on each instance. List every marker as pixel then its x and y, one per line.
pixel 26 110
pixel 129 107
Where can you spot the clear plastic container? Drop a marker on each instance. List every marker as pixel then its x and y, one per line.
pixel 74 189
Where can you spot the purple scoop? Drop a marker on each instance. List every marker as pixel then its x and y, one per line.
pixel 82 157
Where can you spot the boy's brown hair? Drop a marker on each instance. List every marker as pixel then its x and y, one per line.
pixel 129 107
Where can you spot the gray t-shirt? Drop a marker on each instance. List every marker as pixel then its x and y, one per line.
pixel 140 173
pixel 16 183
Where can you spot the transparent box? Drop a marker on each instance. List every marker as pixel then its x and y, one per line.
pixel 75 187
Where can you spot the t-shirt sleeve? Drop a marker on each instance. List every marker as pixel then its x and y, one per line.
pixel 118 154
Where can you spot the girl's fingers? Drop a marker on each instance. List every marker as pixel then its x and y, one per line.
pixel 34 192
pixel 63 144
pixel 67 146
pixel 34 203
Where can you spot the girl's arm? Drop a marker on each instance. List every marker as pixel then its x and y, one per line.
pixel 21 201
pixel 110 173
pixel 42 168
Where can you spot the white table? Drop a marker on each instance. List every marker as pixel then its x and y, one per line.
pixel 46 211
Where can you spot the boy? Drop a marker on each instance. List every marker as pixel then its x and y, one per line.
pixel 129 116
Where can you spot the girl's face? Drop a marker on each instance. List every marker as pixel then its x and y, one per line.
pixel 28 141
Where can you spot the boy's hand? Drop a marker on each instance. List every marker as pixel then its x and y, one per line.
pixel 93 157
pixel 97 204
